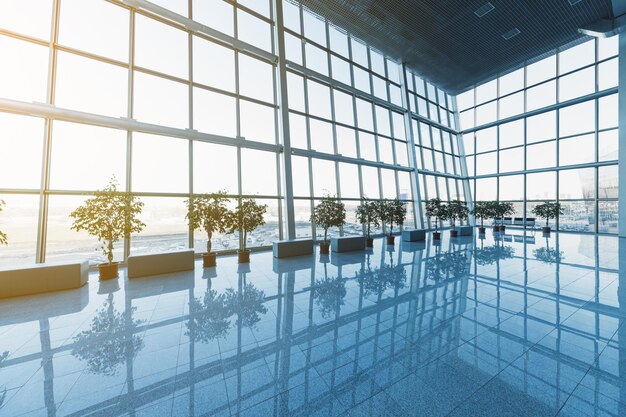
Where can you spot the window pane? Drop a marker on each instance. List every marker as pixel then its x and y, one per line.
pixel 300 169
pixel 512 82
pixel 321 136
pixel 577 184
pixel 511 134
pixel 512 105
pixel 29 18
pixel 541 127
pixel 316 59
pixel 70 141
pixel 216 14
pixel 608 182
pixel 511 188
pixel 324 180
pixel 346 142
pixel 256 79
pixel 486 189
pixel 19 221
pixel 254 31
pixel 542 155
pixel 388 177
pixel 151 154
pixel 487 163
pixel 161 47
pixel 512 159
pixel 577 150
pixel 608 116
pixel 257 122
pixel 577 57
pixel 21 167
pixel 608 145
pixel 25 78
pixel 349 180
pixel 214 113
pixel 214 168
pixel 80 86
pixel 370 182
pixel 254 180
pixel 576 119
pixel 608 74
pixel 541 186
pixel 541 96
pixel 338 41
pixel 166 228
pixel 486 140
pixel 314 28
pixel 94 26
pixel 541 71
pixel 577 84
pixel 319 99
pixel 160 101
pixel 213 65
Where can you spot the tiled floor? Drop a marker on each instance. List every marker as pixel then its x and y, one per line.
pixel 516 326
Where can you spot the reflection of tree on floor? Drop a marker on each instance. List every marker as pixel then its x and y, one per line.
pixel 106 345
pixel 446 265
pixel 329 294
pixel 376 281
pixel 208 317
pixel 548 255
pixel 247 304
pixel 492 254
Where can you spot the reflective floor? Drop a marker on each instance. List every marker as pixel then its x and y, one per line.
pixel 518 325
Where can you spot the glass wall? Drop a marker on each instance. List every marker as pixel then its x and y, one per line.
pixel 346 118
pixel 549 131
pixel 200 112
pixel 171 110
pixel 436 141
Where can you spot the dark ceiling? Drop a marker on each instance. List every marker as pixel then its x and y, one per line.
pixel 448 45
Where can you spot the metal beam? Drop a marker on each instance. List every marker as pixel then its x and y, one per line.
pixel 196 27
pixel 622 135
pixel 284 122
pixel 52 112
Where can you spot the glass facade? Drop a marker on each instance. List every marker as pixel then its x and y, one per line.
pixel 178 98
pixel 172 110
pixel 549 131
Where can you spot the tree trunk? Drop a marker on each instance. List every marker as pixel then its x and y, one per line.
pixel 208 242
pixel 245 239
pixel 325 235
pixel 110 251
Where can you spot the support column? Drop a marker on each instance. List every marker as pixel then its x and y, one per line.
pixel 284 122
pixel 622 135
pixel 408 128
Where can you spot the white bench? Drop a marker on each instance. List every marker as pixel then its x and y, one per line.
pixel 296 247
pixel 413 235
pixel 160 263
pixel 347 243
pixel 42 278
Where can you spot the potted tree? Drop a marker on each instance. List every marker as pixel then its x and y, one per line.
pixel 482 210
pixel 392 212
pixel 367 215
pixel 457 210
pixel 501 210
pixel 209 213
pixel 548 210
pixel 328 213
pixel 247 216
pixel 436 209
pixel 3 237
pixel 110 215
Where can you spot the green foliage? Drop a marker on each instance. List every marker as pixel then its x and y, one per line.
pixel 368 215
pixel 3 237
pixel 111 340
pixel 502 209
pixel 435 208
pixel 548 210
pixel 483 210
pixel 110 215
pixel 208 212
pixel 457 210
pixel 208 318
pixel 330 212
pixel 247 216
pixel 392 212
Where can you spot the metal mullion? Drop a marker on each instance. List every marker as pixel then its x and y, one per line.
pixel 308 129
pixel 525 119
pixel 284 123
pixel 558 136
pixel 375 123
pixel 238 110
pixel 42 230
pixel 596 205
pixel 391 129
pixel 191 240
pixel 498 139
pixel 130 114
pixel 411 148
